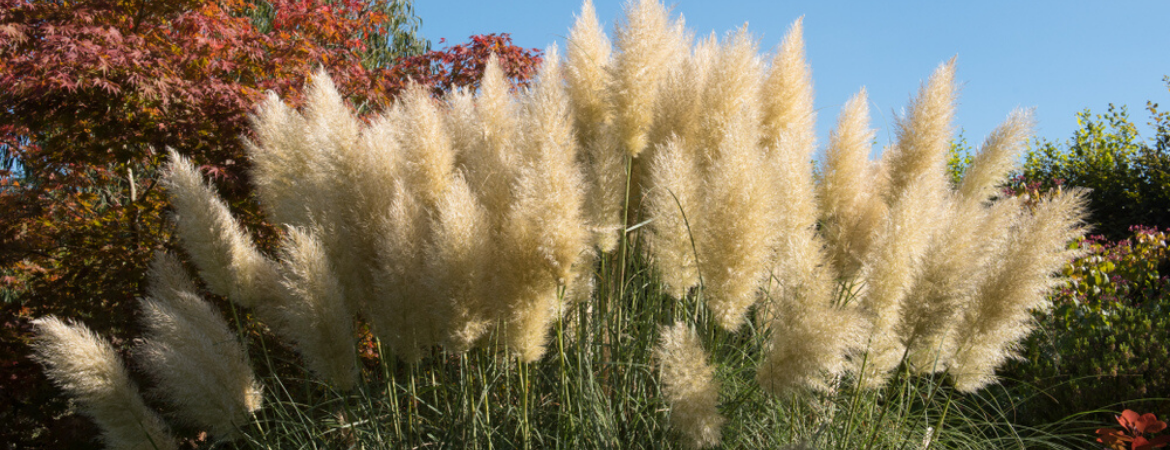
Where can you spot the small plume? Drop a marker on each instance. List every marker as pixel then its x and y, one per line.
pixel 924 136
pixel 997 157
pixel 689 386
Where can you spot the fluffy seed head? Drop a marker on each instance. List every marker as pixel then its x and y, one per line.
pixel 689 386
pixel 88 369
pixel 225 255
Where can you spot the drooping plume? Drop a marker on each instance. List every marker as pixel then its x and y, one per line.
pixel 226 257
pixel 690 388
pixel 88 369
pixel 199 367
pixel 1000 314
pixel 996 157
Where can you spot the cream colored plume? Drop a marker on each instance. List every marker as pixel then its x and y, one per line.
pixel 459 264
pixel 587 76
pixel 226 257
pixel 846 191
pixel 545 234
pixel 647 43
pixel 313 313
pixel 952 266
pixel 198 365
pixel 88 370
pixel 811 336
pixel 281 156
pixel 889 274
pixel 1000 314
pixel 587 72
pixel 689 387
pixel 924 135
pixel 997 157
pixel 491 158
pixel 733 244
pixel 402 313
pixel 673 202
pixel 789 120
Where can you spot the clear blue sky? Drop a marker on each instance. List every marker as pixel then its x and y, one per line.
pixel 1059 57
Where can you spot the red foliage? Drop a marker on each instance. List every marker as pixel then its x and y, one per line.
pixel 94 90
pixel 463 64
pixel 1135 432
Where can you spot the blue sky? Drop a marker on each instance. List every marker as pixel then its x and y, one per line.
pixel 1058 57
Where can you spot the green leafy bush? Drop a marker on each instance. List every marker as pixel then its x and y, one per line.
pixel 1103 342
pixel 1128 176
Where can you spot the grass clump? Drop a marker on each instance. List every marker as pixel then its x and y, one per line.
pixel 637 254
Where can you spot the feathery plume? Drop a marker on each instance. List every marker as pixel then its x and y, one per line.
pixel 811 337
pixel 587 72
pixel 430 159
pixel 680 105
pixel 730 89
pixel 997 157
pixel 199 367
pixel 458 264
pixel 313 313
pixel 88 369
pixel 587 76
pixel 845 190
pixel 645 42
pixel 1000 313
pixel 281 160
pixel 733 250
pixel 890 272
pixel 167 277
pixel 690 388
pixel 545 232
pixel 227 259
pixel 924 136
pixel 672 202
pixel 954 261
pixel 789 120
pixel 401 314
pixel 492 164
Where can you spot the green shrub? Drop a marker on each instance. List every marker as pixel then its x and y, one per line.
pixel 1128 177
pixel 1103 342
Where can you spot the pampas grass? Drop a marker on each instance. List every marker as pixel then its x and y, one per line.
pixel 524 257
pixel 689 387
pixel 88 369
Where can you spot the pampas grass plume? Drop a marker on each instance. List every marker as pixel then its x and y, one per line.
pixel 227 259
pixel 689 387
pixel 1000 313
pixel 645 41
pixel 88 369
pixel 314 313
